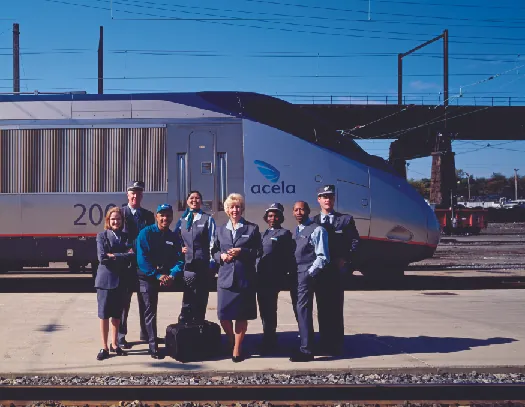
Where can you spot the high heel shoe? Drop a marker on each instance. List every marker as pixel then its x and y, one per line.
pixel 118 350
pixel 237 359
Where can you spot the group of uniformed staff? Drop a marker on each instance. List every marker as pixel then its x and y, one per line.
pixel 139 252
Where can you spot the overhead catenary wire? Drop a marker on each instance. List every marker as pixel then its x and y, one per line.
pixel 269 27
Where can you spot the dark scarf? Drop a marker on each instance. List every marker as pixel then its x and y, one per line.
pixel 189 222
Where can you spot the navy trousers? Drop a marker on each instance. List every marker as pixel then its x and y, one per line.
pixel 123 327
pixel 330 301
pixel 307 286
pixel 148 295
pixel 196 291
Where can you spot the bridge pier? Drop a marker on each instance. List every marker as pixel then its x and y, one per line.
pixel 443 175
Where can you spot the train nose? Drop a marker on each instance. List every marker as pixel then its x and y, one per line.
pixel 433 228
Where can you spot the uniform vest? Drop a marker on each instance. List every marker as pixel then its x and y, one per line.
pixel 304 249
pixel 196 239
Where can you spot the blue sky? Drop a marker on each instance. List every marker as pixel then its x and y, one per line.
pixel 300 50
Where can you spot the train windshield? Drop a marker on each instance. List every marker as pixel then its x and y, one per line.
pixel 286 117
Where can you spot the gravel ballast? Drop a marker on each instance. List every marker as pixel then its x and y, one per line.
pixel 265 379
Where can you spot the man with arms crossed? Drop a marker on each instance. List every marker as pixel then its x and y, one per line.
pixel 343 240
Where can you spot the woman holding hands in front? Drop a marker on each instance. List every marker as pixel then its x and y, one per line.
pixel 114 254
pixel 237 245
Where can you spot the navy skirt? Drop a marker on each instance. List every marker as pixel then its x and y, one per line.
pixel 110 302
pixel 236 304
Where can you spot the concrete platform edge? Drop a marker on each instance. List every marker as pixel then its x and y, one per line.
pixel 209 373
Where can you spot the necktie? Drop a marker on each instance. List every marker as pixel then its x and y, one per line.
pixel 188 213
pixel 326 220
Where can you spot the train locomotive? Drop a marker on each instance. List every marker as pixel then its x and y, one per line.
pixel 66 159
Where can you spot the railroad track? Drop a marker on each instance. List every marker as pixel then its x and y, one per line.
pixel 275 394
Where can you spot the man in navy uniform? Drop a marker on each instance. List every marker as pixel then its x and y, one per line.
pixel 136 218
pixel 159 259
pixel 343 240
pixel 312 256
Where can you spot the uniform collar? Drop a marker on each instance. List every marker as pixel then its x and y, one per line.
pixel 133 210
pixel 240 224
pixel 301 226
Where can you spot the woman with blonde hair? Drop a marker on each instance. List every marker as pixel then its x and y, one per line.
pixel 237 246
pixel 114 255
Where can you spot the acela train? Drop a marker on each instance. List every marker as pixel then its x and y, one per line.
pixel 65 159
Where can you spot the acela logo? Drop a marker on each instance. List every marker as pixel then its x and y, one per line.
pixel 272 174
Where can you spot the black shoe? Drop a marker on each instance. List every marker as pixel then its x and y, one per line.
pixel 237 359
pixel 124 344
pixel 155 354
pixel 301 357
pixel 103 354
pixel 118 350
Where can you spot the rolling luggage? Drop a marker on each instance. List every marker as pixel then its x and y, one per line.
pixel 193 342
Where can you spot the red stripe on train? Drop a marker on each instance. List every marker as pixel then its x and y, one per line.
pixel 381 239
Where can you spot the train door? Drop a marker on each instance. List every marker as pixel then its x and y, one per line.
pixel 206 158
pixel 201 165
pixel 354 199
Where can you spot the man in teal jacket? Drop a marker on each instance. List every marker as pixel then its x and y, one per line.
pixel 159 259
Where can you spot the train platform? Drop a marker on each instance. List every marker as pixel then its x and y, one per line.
pixel 483 330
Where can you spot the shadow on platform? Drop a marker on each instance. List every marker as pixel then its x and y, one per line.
pixel 367 345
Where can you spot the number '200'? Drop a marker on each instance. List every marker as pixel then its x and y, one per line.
pixel 95 214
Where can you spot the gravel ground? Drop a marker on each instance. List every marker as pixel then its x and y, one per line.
pixel 267 379
pixel 479 253
pixel 259 404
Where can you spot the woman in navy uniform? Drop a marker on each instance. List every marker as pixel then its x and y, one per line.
pixel 197 233
pixel 236 249
pixel 274 266
pixel 114 256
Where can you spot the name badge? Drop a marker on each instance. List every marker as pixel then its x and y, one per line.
pixel 200 226
pixel 168 242
pixel 245 235
pixel 338 231
pixel 274 239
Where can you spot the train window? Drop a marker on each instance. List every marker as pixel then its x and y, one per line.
pixel 206 167
pixel 183 188
pixel 82 159
pixel 222 179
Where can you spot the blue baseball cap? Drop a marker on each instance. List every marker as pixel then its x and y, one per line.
pixel 164 207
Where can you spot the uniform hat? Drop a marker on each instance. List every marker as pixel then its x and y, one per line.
pixel 275 207
pixel 164 207
pixel 136 186
pixel 326 190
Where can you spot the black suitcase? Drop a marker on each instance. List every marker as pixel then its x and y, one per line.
pixel 193 342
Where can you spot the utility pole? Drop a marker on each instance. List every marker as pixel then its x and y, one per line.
pixel 445 66
pixel 16 58
pixel 516 183
pixel 468 183
pixel 101 62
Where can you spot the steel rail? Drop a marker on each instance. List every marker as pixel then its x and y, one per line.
pixel 283 393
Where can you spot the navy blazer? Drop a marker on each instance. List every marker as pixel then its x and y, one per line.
pixel 343 237
pixel 111 269
pixel 240 273
pixel 277 259
pixel 146 218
